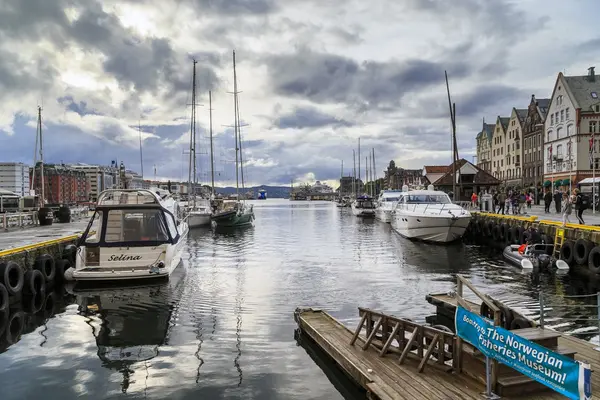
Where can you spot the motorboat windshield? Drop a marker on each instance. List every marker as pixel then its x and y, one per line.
pixel 427 199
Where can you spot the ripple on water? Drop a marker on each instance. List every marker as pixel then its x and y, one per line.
pixel 223 325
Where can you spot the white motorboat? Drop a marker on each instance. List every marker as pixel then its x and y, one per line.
pixel 385 204
pixel 363 207
pixel 199 214
pixel 133 234
pixel 429 215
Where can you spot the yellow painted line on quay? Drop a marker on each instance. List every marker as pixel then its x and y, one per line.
pixel 534 218
pixel 45 243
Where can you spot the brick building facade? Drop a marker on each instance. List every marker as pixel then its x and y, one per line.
pixel 62 184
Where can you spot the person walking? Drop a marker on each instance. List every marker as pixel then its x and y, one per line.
pixel 581 204
pixel 557 201
pixel 547 201
pixel 521 199
pixel 474 200
pixel 529 199
pixel 501 198
pixel 567 208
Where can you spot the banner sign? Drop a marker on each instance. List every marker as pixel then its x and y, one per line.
pixel 562 374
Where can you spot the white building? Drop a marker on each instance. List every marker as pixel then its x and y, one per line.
pixel 514 147
pixel 499 145
pixel 573 117
pixel 14 177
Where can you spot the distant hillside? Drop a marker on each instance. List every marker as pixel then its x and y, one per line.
pixel 273 192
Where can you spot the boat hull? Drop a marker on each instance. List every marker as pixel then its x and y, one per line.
pixel 383 215
pixel 197 220
pixel 233 219
pixel 123 270
pixel 435 229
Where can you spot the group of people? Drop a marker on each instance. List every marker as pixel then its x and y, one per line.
pixel 565 202
pixel 504 202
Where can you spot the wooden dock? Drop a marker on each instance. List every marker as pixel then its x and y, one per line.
pixel 383 376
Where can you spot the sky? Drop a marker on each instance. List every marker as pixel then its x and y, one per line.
pixel 314 76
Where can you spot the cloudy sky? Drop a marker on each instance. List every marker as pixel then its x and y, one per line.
pixel 314 75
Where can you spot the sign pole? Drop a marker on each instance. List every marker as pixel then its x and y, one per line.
pixel 488 381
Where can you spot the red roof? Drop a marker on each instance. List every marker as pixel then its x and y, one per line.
pixel 437 169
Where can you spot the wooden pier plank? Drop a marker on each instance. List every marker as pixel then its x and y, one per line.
pixel 388 379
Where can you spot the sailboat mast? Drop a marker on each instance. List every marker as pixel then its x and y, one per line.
pixel 359 173
pixel 370 174
pixel 354 174
pixel 43 198
pixel 374 170
pixel 212 162
pixel 191 158
pixel 235 129
pixel 240 143
pixel 453 144
pixel 195 175
pixel 366 174
pixel 141 154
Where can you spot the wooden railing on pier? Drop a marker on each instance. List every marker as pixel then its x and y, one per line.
pixel 388 334
pixel 461 282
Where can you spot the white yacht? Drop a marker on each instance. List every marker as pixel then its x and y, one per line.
pixel 429 215
pixel 133 234
pixel 363 207
pixel 385 204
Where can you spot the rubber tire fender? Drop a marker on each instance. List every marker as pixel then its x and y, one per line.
pixel 485 311
pixel 503 232
pixel 548 240
pixel 496 233
pixel 69 253
pixel 506 316
pixel 12 276
pixel 567 252
pixel 14 327
pixel 520 323
pixel 61 266
pixel 34 282
pixel 594 260
pixel 490 229
pixel 521 235
pixel 45 264
pixel 515 235
pixel 581 251
pixel 4 298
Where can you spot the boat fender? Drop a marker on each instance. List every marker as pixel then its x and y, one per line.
pixel 14 327
pixel 561 265
pixel 4 298
pixel 497 233
pixel 34 303
pixel 68 275
pixel 520 235
pixel 69 253
pixel 526 263
pixel 45 264
pixel 490 229
pixel 506 316
pixel 594 260
pixel 12 277
pixel 520 323
pixel 34 282
pixel 503 231
pixel 581 251
pixel 566 252
pixel 61 266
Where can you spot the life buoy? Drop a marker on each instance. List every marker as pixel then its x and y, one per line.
pixel 566 252
pixel 581 251
pixel 45 264
pixel 11 276
pixel 594 260
pixel 520 323
pixel 34 282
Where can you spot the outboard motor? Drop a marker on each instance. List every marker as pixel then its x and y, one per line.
pixel 544 261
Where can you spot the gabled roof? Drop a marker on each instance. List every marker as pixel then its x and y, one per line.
pixel 581 87
pixel 436 169
pixel 522 113
pixel 542 106
pixel 481 177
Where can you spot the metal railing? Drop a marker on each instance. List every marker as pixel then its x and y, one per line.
pixel 434 207
pixel 26 219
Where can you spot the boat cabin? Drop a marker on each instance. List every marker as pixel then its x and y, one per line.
pixel 136 217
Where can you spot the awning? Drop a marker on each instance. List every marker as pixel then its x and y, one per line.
pixel 547 183
pixel 558 183
pixel 566 182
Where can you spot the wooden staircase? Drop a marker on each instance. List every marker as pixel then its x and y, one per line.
pixel 511 382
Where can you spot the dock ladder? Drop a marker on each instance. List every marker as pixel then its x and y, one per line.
pixel 559 239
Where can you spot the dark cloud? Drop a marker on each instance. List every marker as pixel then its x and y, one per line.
pixel 235 7
pixel 328 78
pixel 309 117
pixel 19 76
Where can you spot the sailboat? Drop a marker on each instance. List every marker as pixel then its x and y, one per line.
pixel 45 214
pixel 198 209
pixel 235 213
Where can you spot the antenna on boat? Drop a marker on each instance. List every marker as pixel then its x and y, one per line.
pixel 212 162
pixel 141 154
pixel 454 146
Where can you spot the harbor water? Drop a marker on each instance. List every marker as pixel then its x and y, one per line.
pixel 223 326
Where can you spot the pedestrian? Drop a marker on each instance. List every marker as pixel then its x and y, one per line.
pixel 521 198
pixel 557 201
pixel 567 208
pixel 501 199
pixel 581 204
pixel 547 201
pixel 474 200
pixel 515 203
pixel 529 199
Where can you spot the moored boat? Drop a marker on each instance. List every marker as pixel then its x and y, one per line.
pixel 385 204
pixel 234 214
pixel 429 215
pixel 133 234
pixel 363 207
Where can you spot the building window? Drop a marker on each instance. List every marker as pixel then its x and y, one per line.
pixel 549 136
pixel 562 115
pixel 559 151
pixel 593 126
pixel 552 119
pixel 569 130
pixel 558 133
pixel 567 113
